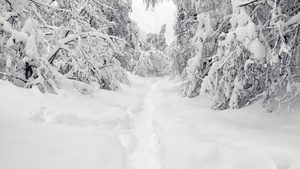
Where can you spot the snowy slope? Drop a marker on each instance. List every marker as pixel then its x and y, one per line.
pixel 194 136
pixel 59 132
pixel 147 126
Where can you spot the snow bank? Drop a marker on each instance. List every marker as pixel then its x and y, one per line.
pixel 61 131
pixel 194 136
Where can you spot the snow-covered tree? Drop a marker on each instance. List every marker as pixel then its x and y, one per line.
pixel 42 40
pixel 152 63
pixel 125 28
pixel 151 59
pixel 238 51
pixel 157 41
pixel 196 36
pixel 258 57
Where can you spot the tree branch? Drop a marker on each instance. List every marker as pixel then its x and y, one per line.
pixel 247 3
pixel 49 6
pixel 13 76
pixel 9 4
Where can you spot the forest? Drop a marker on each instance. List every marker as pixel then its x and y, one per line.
pixel 83 87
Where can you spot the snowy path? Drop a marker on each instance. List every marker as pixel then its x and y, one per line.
pixel 140 140
pixel 147 126
pixel 145 154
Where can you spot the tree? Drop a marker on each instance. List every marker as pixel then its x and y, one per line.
pixel 237 52
pixel 257 58
pixel 44 42
pixel 157 41
pixel 152 63
pixel 124 28
pixel 151 59
pixel 196 35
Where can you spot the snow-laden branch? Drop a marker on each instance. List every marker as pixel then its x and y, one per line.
pixel 226 18
pixel 13 76
pixel 49 6
pixel 246 3
pixel 61 44
pixel 293 20
pixel 104 5
pixel 6 26
pixel 38 14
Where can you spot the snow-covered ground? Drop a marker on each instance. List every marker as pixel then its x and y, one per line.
pixel 147 126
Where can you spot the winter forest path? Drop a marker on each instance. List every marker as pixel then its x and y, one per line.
pixel 146 126
pixel 171 132
pixel 143 150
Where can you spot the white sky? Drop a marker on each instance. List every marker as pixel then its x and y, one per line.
pixel 151 21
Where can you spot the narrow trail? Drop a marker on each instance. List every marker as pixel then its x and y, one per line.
pixel 147 126
pixel 141 140
pixel 166 131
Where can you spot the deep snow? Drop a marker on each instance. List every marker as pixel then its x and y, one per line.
pixel 147 126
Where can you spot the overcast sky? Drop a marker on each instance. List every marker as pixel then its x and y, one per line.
pixel 151 21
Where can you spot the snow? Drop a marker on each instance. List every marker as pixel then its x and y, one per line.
pixel 284 48
pixel 28 26
pixel 251 29
pixel 31 47
pixel 146 126
pixel 248 32
pixel 58 131
pixel 8 62
pixel 274 58
pixel 293 20
pixel 5 25
pixel 16 37
pixel 234 98
pixel 229 39
pixel 193 136
pixel 54 4
pixel 243 18
pixel 204 28
pixel 241 33
pixel 18 5
pixel 257 49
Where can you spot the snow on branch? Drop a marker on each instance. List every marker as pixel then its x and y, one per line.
pixel 104 5
pixel 293 20
pixel 13 76
pixel 246 3
pixel 49 6
pixel 38 14
pixel 63 42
